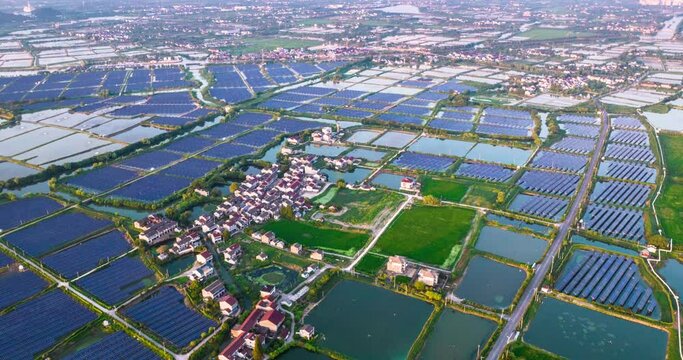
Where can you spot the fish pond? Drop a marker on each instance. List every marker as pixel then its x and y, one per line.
pixel 368 322
pixel 457 335
pixel 499 154
pixel 490 283
pixel 672 272
pixel 435 146
pixel 574 332
pixel 391 181
pixel 325 150
pixel 363 136
pixel 508 244
pixel 351 177
pixel 282 278
pixel 578 239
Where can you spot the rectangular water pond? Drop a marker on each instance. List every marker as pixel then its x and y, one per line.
pixel 391 181
pixel 578 333
pixel 447 147
pixel 363 136
pixel 514 246
pixel 490 283
pixel 368 322
pixel 499 154
pixel 457 335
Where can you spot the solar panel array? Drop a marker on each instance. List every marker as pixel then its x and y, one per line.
pixel 39 323
pixel 50 87
pixel 630 137
pixel 628 171
pixel 581 130
pixel 55 232
pixel 609 280
pixel 627 122
pixel 575 145
pixel 552 183
pixel 118 345
pixel 15 213
pixel 540 206
pixel 559 161
pixel 165 314
pixel 488 172
pixel 578 119
pixel 87 255
pixel 630 153
pixel 19 285
pixel 621 193
pixel 416 161
pixel 118 281
pixel 615 222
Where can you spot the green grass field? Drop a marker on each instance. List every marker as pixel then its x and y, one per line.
pixel 553 34
pixel 670 203
pixel 370 264
pixel 362 207
pixel 256 44
pixel 444 189
pixel 427 234
pixel 483 195
pixel 311 236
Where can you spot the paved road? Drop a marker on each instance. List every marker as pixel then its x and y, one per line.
pixel 542 269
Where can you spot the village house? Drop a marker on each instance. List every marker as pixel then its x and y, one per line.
pixel 207 223
pixel 317 255
pixel 232 254
pixel 250 340
pixel 215 236
pixel 307 332
pixel 186 244
pixel 397 265
pixel 262 256
pixel 202 273
pixel 409 184
pixel 267 291
pixel 229 305
pixel 297 249
pixel 428 277
pixel 157 230
pixel 272 320
pixel 204 257
pixel 213 291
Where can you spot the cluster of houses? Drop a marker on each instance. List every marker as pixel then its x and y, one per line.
pixel 260 197
pixel 156 229
pixel 269 238
pixel 342 163
pixel 398 265
pixel 327 136
pixel 264 323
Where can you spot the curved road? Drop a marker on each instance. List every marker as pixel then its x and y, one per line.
pixel 542 269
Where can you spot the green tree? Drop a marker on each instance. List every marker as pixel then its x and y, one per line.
pixel 258 351
pixel 286 212
pixel 431 200
pixel 341 183
pixel 225 235
pixel 500 197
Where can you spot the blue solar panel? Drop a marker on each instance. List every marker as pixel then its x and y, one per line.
pixel 166 315
pixel 38 324
pixel 87 255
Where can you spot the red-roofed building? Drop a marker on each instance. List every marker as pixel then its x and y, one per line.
pixel 272 320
